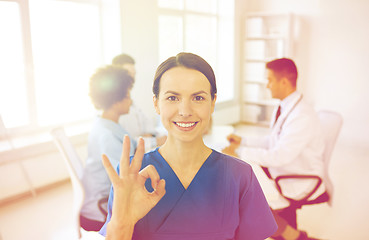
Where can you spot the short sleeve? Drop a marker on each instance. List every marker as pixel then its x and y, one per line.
pixel 256 219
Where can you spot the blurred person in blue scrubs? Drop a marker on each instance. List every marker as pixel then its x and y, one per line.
pixel 109 91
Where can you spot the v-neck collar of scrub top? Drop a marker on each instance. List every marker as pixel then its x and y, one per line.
pixel 170 169
pixel 179 204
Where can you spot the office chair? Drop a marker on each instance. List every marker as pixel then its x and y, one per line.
pixel 331 123
pixel 75 170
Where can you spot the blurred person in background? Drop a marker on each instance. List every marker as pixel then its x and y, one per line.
pixel 109 91
pixel 136 122
pixel 294 146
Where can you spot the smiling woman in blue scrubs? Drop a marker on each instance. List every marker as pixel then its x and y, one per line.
pixel 184 189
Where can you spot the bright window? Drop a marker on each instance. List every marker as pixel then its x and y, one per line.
pixel 66 52
pixel 202 27
pixel 13 93
pixel 170 36
pixel 49 49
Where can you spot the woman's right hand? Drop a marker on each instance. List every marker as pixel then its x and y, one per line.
pixel 131 199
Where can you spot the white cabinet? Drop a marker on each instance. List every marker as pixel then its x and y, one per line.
pixel 266 36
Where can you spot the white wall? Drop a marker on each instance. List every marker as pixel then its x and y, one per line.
pixel 331 50
pixel 140 40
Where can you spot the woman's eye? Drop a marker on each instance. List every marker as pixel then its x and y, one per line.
pixel 172 98
pixel 199 98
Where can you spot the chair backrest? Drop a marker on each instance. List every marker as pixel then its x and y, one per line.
pixel 75 169
pixel 331 123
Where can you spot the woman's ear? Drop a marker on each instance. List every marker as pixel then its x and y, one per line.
pixel 213 103
pixel 156 104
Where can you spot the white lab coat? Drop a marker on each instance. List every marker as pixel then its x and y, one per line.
pixel 294 146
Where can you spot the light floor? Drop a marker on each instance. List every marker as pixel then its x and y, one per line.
pixel 47 216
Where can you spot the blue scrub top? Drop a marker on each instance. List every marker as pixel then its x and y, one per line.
pixel 223 201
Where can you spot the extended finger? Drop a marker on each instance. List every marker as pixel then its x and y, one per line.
pixel 137 158
pixel 150 172
pixel 124 159
pixel 109 169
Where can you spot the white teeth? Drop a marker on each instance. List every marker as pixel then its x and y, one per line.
pixel 185 125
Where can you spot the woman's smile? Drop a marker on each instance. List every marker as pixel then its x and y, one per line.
pixel 185 126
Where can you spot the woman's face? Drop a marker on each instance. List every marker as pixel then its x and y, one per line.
pixel 184 103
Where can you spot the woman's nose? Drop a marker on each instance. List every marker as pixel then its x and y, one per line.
pixel 185 109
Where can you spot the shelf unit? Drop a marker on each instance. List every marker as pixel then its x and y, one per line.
pixel 266 36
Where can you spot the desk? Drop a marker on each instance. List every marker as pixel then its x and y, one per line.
pixel 217 138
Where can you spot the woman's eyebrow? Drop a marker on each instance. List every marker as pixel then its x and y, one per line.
pixel 171 92
pixel 199 92
pixel 195 93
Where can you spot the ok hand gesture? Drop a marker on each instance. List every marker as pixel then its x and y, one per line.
pixel 131 199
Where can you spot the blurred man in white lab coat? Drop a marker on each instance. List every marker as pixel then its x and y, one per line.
pixel 136 122
pixel 294 146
